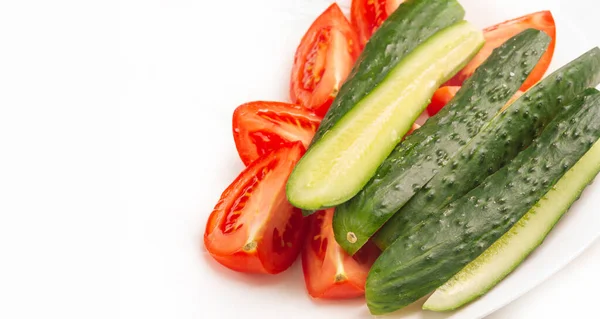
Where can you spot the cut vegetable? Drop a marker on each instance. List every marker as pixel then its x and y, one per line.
pixel 416 160
pixel 410 25
pixel 323 60
pixel 330 273
pixel 486 153
pixel 440 98
pixel 482 274
pixel 394 77
pixel 341 163
pixel 260 127
pixel 253 228
pixel 368 15
pixel 435 247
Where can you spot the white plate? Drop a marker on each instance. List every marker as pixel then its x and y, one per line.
pixel 228 53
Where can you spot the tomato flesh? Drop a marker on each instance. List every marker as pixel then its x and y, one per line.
pixel 496 35
pixel 440 98
pixel 329 272
pixel 368 15
pixel 314 68
pixel 261 127
pixel 253 228
pixel 323 60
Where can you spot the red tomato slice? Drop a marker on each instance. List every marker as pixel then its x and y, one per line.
pixel 329 272
pixel 323 60
pixel 440 98
pixel 253 228
pixel 368 15
pixel 260 127
pixel 496 35
pixel 443 95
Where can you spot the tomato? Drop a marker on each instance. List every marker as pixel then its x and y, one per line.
pixel 414 127
pixel 440 98
pixel 443 95
pixel 368 15
pixel 260 127
pixel 253 228
pixel 496 35
pixel 329 272
pixel 323 60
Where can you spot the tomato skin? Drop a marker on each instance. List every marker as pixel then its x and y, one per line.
pixel 260 127
pixel 496 35
pixel 329 272
pixel 253 228
pixel 323 60
pixel 440 98
pixel 368 15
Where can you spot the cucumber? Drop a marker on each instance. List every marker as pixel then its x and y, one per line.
pixel 436 245
pixel 482 274
pixel 485 154
pixel 368 119
pixel 416 160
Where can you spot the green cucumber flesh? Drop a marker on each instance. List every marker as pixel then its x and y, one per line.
pixel 438 244
pixel 500 259
pixel 407 27
pixel 416 160
pixel 339 164
pixel 485 154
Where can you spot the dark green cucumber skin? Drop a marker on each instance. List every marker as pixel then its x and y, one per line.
pixel 516 127
pixel 410 25
pixel 416 160
pixel 437 244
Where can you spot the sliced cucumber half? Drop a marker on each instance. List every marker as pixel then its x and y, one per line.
pixel 500 259
pixel 339 164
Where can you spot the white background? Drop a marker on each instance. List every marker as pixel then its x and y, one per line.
pixel 107 173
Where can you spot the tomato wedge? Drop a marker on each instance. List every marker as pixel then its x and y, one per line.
pixel 329 272
pixel 440 98
pixel 443 95
pixel 368 15
pixel 323 60
pixel 253 228
pixel 261 127
pixel 496 35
